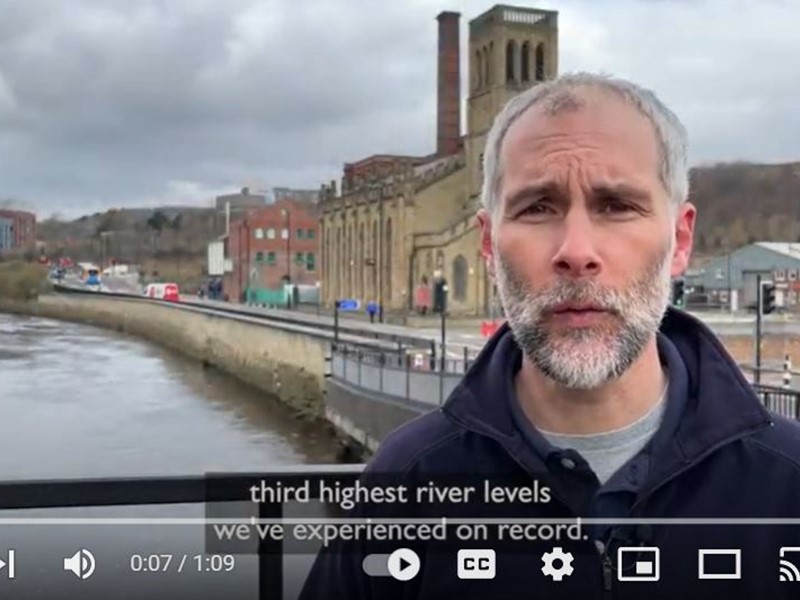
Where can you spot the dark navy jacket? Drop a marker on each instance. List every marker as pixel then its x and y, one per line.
pixel 723 457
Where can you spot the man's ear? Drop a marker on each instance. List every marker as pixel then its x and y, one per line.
pixel 684 238
pixel 484 221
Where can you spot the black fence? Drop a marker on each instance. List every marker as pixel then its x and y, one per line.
pixel 780 401
pixel 412 359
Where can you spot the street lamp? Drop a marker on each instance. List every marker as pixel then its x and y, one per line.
pixel 444 343
pixel 444 321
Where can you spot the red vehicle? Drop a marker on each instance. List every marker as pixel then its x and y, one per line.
pixel 163 291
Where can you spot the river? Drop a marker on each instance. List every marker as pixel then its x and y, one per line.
pixel 82 402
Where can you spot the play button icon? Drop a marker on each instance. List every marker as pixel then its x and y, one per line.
pixel 403 564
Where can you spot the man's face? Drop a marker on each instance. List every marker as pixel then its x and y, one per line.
pixel 584 241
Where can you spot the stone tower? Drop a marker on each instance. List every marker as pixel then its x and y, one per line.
pixel 510 49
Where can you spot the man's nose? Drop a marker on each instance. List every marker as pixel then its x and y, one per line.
pixel 576 255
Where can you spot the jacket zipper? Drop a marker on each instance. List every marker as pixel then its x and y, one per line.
pixel 605 559
pixel 608 573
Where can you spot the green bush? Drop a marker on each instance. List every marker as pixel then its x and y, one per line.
pixel 22 281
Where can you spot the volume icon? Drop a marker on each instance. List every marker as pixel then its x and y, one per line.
pixel 81 564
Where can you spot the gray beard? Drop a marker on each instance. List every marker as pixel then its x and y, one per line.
pixel 585 357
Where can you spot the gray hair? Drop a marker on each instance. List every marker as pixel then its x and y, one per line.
pixel 559 95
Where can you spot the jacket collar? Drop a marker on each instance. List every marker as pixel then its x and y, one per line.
pixel 720 406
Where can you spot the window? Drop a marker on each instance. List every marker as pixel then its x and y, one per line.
pixel 460 269
pixel 270 258
pixel 271 233
pixel 525 59
pixel 310 261
pixel 259 256
pixel 259 233
pixel 299 234
pixel 284 234
pixel 310 234
pixel 539 63
pixel 511 50
pixel 298 258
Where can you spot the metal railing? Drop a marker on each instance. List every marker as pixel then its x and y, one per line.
pixel 405 375
pixel 779 400
pixel 420 378
pixel 324 326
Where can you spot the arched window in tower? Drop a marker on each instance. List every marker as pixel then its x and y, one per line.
pixel 511 50
pixel 459 278
pixel 478 69
pixel 540 62
pixel 525 62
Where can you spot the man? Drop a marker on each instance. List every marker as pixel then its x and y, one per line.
pixel 627 409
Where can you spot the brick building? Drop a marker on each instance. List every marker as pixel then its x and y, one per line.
pixel 17 230
pixel 271 245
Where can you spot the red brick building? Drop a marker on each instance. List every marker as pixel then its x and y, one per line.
pixel 17 230
pixel 271 245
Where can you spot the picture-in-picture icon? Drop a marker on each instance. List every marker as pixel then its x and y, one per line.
pixel 638 563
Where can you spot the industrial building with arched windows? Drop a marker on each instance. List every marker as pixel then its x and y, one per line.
pixel 395 226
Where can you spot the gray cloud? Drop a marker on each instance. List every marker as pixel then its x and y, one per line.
pixel 107 103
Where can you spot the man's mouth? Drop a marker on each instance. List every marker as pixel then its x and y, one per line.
pixel 578 308
pixel 579 315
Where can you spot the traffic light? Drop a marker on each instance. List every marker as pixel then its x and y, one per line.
pixel 678 293
pixel 440 296
pixel 768 298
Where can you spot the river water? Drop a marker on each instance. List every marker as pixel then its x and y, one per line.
pixel 83 402
pixel 78 401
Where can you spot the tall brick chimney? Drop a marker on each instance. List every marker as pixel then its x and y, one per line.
pixel 448 117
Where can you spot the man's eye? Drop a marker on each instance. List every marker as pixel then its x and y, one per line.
pixel 538 208
pixel 613 205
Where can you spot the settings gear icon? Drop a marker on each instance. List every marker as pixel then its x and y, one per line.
pixel 564 560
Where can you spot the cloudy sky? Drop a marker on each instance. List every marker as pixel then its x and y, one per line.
pixel 136 103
